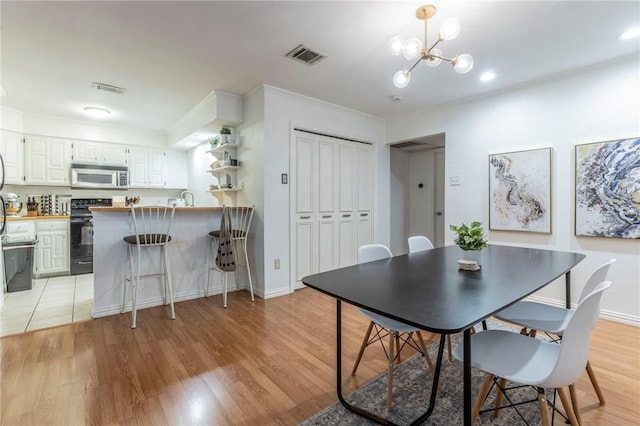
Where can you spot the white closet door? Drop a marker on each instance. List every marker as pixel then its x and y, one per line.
pixel 347 176
pixel 327 243
pixel 365 229
pixel 365 178
pixel 305 252
pixel 346 239
pixel 304 174
pixel 326 175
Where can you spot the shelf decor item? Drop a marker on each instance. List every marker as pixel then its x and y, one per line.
pixel 520 191
pixel 471 239
pixel 607 195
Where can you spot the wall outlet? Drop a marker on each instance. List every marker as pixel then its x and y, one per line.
pixel 276 264
pixel 454 180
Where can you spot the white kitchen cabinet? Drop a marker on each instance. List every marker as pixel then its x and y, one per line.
pixel 333 184
pixel 145 167
pixel 99 152
pixel 52 249
pixel 175 169
pixel 12 150
pixel 47 161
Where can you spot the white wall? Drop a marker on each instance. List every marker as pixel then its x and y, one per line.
pixel 399 201
pixel 282 112
pixel 598 105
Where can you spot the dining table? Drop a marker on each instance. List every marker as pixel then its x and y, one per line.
pixel 429 291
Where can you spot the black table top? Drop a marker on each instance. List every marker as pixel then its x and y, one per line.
pixel 427 290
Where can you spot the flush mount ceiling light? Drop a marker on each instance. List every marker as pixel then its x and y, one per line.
pixel 413 48
pixel 96 112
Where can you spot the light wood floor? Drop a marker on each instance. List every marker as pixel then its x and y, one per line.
pixel 263 363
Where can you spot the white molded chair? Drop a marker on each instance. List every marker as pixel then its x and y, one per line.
pixel 506 355
pixel 533 316
pixel 151 228
pixel 241 222
pixel 419 243
pixel 396 331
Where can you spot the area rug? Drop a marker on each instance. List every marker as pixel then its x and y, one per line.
pixel 411 392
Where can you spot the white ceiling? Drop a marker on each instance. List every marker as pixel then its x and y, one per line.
pixel 170 55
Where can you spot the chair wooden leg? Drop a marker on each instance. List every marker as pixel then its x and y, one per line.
pixel 502 384
pixel 397 357
pixel 167 278
pixel 426 354
pixel 566 403
pixel 449 347
pixel 224 295
pixel 209 258
pixel 574 402
pixel 364 345
pixel 544 409
pixel 246 260
pixel 392 338
pixel 594 383
pixel 482 395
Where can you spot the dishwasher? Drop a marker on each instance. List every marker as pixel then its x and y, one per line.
pixel 18 249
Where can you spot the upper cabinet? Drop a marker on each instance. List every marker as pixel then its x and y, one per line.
pixel 47 161
pixel 12 150
pixel 99 152
pixel 157 168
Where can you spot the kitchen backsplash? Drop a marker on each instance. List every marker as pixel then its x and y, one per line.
pixel 52 199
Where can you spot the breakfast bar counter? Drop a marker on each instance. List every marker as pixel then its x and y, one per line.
pixel 188 253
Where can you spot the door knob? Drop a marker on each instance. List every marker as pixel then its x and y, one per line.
pixel 438 213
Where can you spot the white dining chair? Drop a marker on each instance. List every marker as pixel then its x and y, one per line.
pixel 505 355
pixel 151 229
pixel 396 331
pixel 539 317
pixel 419 243
pixel 241 218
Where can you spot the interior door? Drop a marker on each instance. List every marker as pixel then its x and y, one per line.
pixel 438 214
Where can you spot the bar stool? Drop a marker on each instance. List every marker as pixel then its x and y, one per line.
pixel 240 223
pixel 151 227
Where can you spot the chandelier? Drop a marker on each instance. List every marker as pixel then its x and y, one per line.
pixel 413 48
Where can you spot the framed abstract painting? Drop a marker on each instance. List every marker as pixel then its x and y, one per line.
pixel 520 191
pixel 608 189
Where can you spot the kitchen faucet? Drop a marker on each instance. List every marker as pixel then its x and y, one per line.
pixel 193 200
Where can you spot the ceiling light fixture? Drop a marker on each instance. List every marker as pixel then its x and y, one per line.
pixel 630 33
pixel 487 76
pixel 413 48
pixel 96 112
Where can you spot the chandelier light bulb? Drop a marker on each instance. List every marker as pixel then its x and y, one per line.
pixel 412 48
pixel 462 64
pixel 434 62
pixel 395 45
pixel 450 29
pixel 401 79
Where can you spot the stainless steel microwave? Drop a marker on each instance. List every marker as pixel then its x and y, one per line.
pixel 99 176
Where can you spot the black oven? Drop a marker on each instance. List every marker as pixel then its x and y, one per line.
pixel 81 233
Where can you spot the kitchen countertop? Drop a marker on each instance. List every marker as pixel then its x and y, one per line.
pixel 44 217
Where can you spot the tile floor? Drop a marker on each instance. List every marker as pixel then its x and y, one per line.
pixel 51 301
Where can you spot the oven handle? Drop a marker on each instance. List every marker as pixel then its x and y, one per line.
pixel 7 248
pixel 85 262
pixel 90 220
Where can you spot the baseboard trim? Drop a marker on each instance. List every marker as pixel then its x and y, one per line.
pixel 605 314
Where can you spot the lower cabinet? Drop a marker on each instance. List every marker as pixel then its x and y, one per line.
pixel 52 250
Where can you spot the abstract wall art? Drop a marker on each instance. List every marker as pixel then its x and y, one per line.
pixel 608 189
pixel 520 191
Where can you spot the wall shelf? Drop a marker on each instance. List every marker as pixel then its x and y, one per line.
pixel 222 148
pixel 222 169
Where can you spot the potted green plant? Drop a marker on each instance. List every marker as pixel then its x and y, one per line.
pixel 471 239
pixel 225 132
pixel 214 141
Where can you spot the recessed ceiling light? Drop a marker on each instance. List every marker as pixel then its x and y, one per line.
pixel 96 112
pixel 630 33
pixel 487 76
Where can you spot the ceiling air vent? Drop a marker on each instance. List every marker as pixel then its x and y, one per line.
pixel 306 55
pixel 109 88
pixel 407 145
